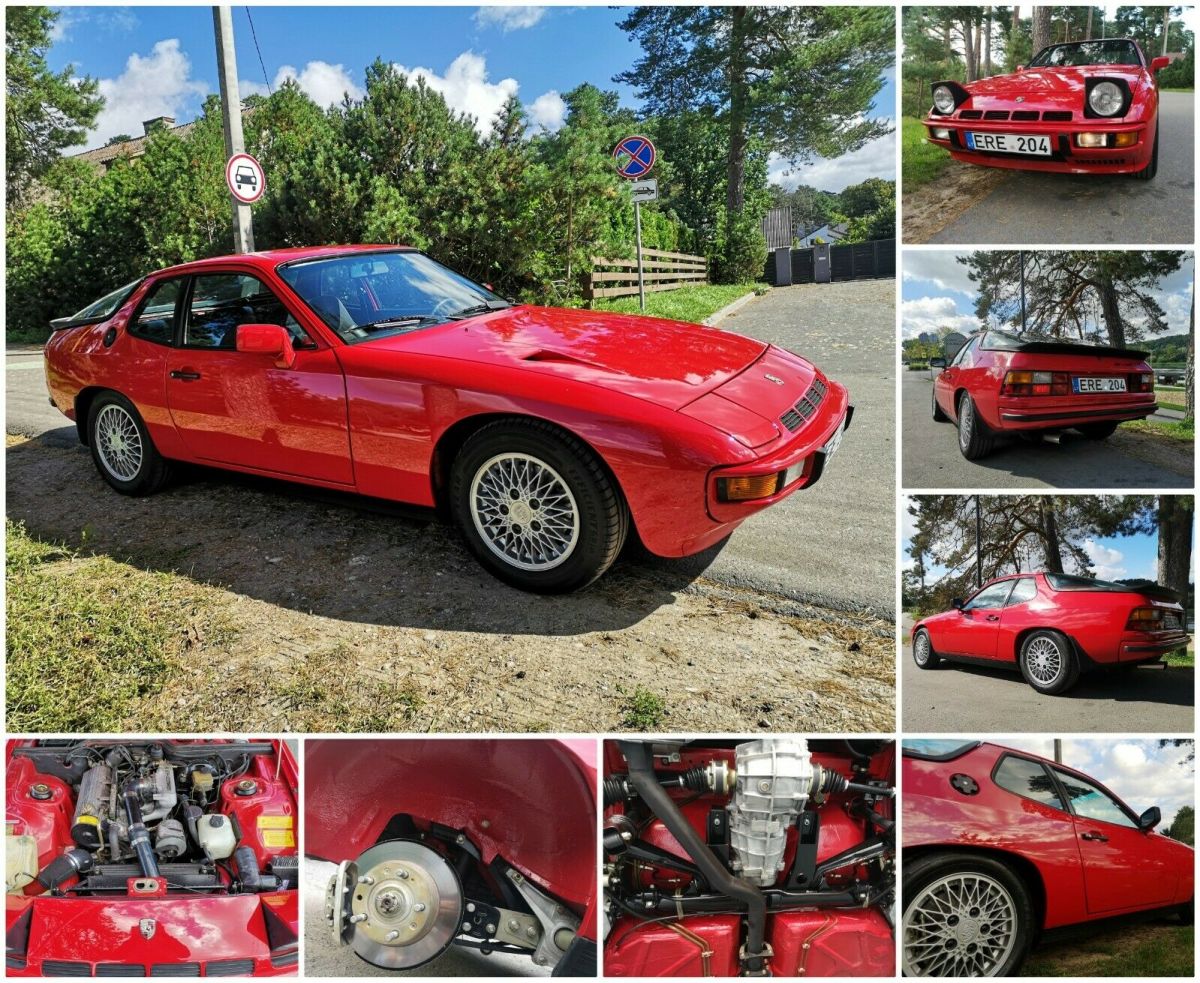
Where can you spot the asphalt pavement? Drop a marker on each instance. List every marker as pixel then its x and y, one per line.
pixel 968 699
pixel 831 545
pixel 931 458
pixel 1054 209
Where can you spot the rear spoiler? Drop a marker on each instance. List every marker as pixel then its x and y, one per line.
pixel 1155 591
pixel 1067 348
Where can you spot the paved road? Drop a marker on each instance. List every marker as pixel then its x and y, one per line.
pixel 1055 209
pixel 962 699
pixel 931 458
pixel 832 545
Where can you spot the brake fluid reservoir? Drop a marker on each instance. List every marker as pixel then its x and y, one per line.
pixel 21 861
pixel 216 835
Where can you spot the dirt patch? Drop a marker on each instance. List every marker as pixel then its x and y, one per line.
pixel 931 207
pixel 1157 449
pixel 343 618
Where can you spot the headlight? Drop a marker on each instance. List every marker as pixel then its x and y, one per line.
pixel 1106 98
pixel 943 99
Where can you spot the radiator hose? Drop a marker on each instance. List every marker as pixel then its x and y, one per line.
pixel 643 779
pixel 65 866
pixel 139 836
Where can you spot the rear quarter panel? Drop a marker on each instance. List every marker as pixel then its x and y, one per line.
pixel 1095 621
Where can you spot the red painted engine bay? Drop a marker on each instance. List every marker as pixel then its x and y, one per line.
pixel 179 856
pixel 828 882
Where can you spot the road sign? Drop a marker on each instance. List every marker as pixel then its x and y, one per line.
pixel 635 157
pixel 645 190
pixel 245 178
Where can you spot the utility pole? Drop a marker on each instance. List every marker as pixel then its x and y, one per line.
pixel 1022 291
pixel 1058 750
pixel 978 543
pixel 231 112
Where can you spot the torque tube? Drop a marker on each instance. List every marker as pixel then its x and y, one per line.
pixel 139 837
pixel 641 775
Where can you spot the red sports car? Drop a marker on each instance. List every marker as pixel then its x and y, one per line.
pixel 999 384
pixel 138 857
pixel 481 844
pixel 1082 107
pixel 1001 845
pixel 546 433
pixel 1053 626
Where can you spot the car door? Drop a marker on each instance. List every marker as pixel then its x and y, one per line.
pixel 243 409
pixel 1122 868
pixel 951 377
pixel 1015 616
pixel 973 633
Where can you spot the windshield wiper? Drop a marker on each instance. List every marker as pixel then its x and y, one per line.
pixel 388 322
pixel 487 305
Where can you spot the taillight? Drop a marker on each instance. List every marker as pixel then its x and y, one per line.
pixel 1145 619
pixel 1024 383
pixel 1141 382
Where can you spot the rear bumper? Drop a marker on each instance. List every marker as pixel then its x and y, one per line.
pixel 1043 413
pixel 1067 157
pixel 1140 646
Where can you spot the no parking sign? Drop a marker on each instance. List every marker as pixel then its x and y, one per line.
pixel 635 157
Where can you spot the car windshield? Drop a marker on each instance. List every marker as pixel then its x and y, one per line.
pixel 1079 53
pixel 1065 581
pixel 372 295
pixel 107 305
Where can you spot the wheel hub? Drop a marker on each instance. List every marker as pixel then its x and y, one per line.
pixel 524 512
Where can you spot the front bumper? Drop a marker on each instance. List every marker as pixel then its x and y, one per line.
pixel 1067 156
pixel 1049 413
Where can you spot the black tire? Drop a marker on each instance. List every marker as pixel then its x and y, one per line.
pixel 976 440
pixel 939 415
pixel 922 643
pixel 1147 173
pixel 925 871
pixel 603 517
pixel 153 471
pixel 1187 912
pixel 1098 431
pixel 1032 661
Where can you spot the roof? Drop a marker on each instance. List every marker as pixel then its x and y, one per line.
pixel 291 254
pixel 103 156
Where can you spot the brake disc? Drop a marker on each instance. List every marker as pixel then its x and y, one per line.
pixel 406 905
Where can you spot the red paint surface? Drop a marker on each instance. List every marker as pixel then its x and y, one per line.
pixel 663 403
pixel 530 802
pixel 1082 879
pixel 653 950
pixel 1094 620
pixel 856 942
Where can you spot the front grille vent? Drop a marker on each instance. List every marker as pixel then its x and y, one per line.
pixel 1019 115
pixel 803 411
pixel 229 967
pixel 1058 116
pixel 175 969
pixel 120 969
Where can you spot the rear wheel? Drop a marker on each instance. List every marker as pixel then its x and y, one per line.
pixel 1097 431
pixel 939 415
pixel 974 438
pixel 121 447
pixel 537 508
pixel 923 654
pixel 1147 173
pixel 1048 662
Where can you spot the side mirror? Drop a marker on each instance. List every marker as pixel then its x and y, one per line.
pixel 937 362
pixel 267 339
pixel 957 604
pixel 1156 64
pixel 1149 819
pixel 1020 68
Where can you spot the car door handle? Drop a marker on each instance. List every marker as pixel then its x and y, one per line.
pixel 993 617
pixel 184 374
pixel 1099 837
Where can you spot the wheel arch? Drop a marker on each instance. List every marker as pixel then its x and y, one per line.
pixel 1024 868
pixel 1024 633
pixel 83 404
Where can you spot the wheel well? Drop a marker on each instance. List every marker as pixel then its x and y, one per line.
pixel 1024 633
pixel 1023 868
pixel 83 404
pixel 958 398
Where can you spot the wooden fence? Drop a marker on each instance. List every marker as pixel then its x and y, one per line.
pixel 663 271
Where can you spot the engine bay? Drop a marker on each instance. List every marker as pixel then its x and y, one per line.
pixel 150 818
pixel 773 856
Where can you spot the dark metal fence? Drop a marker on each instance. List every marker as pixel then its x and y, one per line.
pixel 855 261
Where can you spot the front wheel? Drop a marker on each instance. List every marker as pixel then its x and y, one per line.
pixel 122 449
pixel 1097 431
pixel 536 506
pixel 923 653
pixel 1048 662
pixel 964 915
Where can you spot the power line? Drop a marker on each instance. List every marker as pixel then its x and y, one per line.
pixel 254 35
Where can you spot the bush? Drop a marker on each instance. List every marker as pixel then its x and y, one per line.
pixel 743 254
pixel 1180 74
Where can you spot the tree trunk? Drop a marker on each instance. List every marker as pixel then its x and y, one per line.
pixel 968 48
pixel 1174 543
pixel 1089 24
pixel 987 45
pixel 1111 306
pixel 1041 28
pixel 738 103
pixel 1189 377
pixel 1050 536
pixel 1166 27
pixel 978 44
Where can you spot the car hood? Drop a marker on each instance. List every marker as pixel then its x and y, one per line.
pixel 670 363
pixel 1034 83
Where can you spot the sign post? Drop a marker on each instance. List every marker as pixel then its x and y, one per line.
pixel 635 157
pixel 231 111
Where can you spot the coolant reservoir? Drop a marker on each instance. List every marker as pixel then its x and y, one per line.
pixel 21 861
pixel 216 835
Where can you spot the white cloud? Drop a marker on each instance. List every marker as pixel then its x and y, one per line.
pixel 159 84
pixel 323 83
pixel 1106 562
pixel 60 30
pixel 875 159
pixel 549 111
pixel 933 314
pixel 465 87
pixel 509 18
pixel 941 268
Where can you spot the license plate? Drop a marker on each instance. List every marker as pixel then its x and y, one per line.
pixel 1009 143
pixel 833 443
pixel 1085 384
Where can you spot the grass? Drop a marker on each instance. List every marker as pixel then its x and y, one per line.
pixel 1181 659
pixel 1174 398
pixel 921 161
pixel 643 710
pixel 1156 949
pixel 685 304
pixel 1183 430
pixel 89 638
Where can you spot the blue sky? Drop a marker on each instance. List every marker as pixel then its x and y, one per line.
pixel 1113 557
pixel 935 292
pixel 160 61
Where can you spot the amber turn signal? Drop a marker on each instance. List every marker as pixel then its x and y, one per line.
pixel 1124 139
pixel 751 487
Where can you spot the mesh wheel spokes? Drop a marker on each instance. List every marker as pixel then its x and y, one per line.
pixel 965 422
pixel 960 925
pixel 119 442
pixel 524 511
pixel 922 648
pixel 1044 660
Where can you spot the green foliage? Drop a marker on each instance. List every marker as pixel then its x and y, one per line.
pixel 685 304
pixel 44 112
pixel 921 162
pixel 1183 826
pixel 643 710
pixel 1181 73
pixel 743 254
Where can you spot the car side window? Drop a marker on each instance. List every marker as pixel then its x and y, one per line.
pixel 155 318
pixel 962 357
pixel 1089 801
pixel 1025 590
pixel 990 597
pixel 221 302
pixel 1028 779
